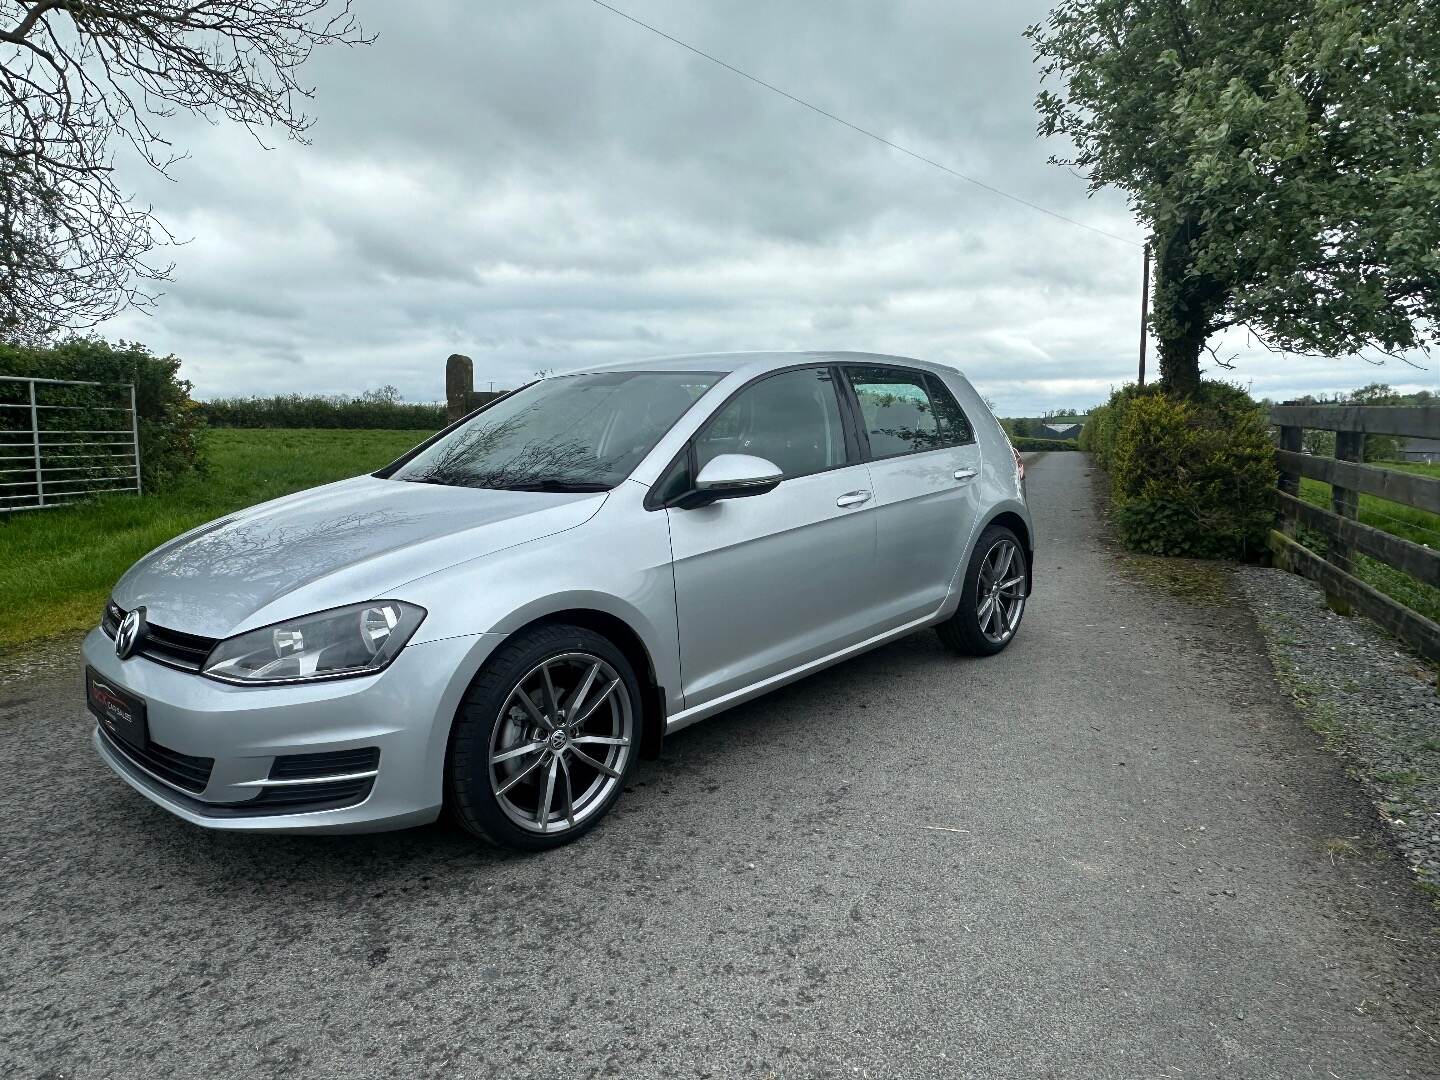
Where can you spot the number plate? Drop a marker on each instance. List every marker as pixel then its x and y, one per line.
pixel 122 715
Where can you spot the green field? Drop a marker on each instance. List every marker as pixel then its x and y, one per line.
pixel 57 566
pixel 1419 526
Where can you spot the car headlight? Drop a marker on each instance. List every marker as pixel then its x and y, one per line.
pixel 357 640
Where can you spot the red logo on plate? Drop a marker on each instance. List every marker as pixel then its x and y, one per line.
pixel 109 701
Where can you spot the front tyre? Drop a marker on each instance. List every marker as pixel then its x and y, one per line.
pixel 992 601
pixel 544 739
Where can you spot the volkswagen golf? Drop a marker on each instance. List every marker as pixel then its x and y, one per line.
pixel 501 622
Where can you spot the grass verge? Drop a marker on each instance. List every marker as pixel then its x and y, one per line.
pixel 58 566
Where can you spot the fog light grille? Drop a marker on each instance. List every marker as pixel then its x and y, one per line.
pixel 331 763
pixel 329 795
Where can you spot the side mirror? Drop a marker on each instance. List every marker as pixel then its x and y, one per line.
pixel 732 476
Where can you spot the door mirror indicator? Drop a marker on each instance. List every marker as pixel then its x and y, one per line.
pixel 732 476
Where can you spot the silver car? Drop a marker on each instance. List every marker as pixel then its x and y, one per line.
pixel 498 624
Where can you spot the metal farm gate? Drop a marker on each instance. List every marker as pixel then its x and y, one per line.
pixel 63 440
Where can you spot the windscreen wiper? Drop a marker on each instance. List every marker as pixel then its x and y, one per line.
pixel 555 485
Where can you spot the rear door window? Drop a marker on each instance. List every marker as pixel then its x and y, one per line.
pixel 906 412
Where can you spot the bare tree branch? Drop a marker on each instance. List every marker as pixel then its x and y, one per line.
pixel 76 76
pixel 1228 365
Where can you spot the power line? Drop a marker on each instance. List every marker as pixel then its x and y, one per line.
pixel 856 127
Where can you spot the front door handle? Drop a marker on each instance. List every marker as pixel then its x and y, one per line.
pixel 854 498
pixel 966 475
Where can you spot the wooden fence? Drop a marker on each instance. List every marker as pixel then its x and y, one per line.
pixel 1345 537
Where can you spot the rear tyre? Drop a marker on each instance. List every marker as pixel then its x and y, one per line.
pixel 992 601
pixel 544 739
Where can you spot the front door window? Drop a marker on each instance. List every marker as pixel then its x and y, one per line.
pixel 791 419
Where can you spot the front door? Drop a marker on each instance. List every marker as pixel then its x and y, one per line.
pixel 766 583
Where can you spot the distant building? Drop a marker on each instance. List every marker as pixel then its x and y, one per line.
pixel 1061 431
pixel 1420 450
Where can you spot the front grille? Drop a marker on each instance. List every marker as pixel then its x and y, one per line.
pixel 190 773
pixel 331 763
pixel 161 644
pixel 187 651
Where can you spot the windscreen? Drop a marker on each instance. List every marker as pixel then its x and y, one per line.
pixel 572 433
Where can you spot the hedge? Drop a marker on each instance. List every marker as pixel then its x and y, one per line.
pixel 169 421
pixel 1025 444
pixel 1188 477
pixel 315 411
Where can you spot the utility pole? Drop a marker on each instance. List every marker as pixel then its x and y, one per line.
pixel 1144 310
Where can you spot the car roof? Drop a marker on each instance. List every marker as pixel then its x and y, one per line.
pixel 757 362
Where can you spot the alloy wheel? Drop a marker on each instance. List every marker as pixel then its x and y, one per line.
pixel 1000 594
pixel 562 742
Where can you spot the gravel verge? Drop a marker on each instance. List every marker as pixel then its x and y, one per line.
pixel 1371 701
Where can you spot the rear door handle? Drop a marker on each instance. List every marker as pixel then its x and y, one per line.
pixel 854 498
pixel 966 475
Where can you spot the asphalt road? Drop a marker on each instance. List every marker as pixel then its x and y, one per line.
pixel 1101 854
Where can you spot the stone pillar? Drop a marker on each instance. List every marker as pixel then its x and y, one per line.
pixel 459 379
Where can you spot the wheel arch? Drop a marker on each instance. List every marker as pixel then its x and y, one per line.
pixel 1021 528
pixel 628 640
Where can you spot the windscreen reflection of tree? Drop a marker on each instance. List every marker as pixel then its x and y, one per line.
pixel 478 457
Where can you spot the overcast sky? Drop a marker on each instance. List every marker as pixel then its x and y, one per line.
pixel 543 185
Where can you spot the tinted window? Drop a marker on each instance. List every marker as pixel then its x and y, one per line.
pixel 791 419
pixel 906 411
pixel 954 424
pixel 576 432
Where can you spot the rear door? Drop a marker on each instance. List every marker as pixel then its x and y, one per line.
pixel 925 467
pixel 766 583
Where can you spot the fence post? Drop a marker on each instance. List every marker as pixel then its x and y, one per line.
pixel 1290 440
pixel 459 382
pixel 1289 482
pixel 35 436
pixel 1349 446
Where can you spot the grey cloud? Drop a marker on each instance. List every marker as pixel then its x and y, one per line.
pixel 543 185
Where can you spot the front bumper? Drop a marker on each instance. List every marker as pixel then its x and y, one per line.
pixel 404 711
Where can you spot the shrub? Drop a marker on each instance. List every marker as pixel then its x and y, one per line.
pixel 169 421
pixel 1188 477
pixel 372 410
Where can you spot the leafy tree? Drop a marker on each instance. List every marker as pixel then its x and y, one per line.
pixel 388 394
pixel 1283 154
pixel 78 79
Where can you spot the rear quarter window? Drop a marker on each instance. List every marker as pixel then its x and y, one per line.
pixel 953 421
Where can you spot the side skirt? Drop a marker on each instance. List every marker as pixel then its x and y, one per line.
pixel 686 717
